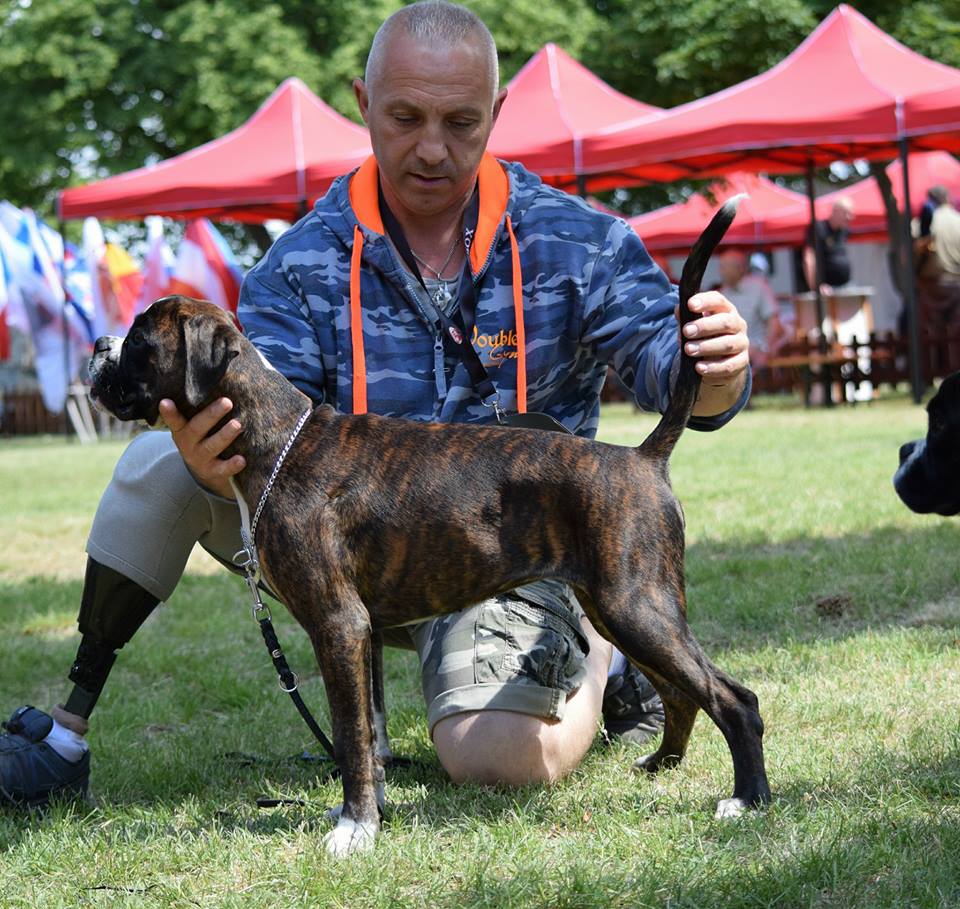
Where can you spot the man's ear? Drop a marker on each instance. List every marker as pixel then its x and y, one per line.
pixel 209 346
pixel 362 96
pixel 498 103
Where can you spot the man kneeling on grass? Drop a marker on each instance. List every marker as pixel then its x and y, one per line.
pixel 515 687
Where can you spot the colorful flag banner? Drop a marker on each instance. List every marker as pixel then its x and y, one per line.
pixel 157 264
pixel 61 338
pixel 205 267
pixel 115 281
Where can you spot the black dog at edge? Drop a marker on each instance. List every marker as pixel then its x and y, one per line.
pixel 928 479
pixel 348 536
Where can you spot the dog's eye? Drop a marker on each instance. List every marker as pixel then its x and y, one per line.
pixel 136 337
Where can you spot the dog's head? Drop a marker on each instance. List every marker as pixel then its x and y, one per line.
pixel 928 479
pixel 178 349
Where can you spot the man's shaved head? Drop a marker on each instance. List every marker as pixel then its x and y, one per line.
pixel 433 23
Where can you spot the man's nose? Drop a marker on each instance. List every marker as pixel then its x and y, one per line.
pixel 432 147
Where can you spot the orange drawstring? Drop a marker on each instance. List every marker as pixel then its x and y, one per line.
pixel 356 324
pixel 356 327
pixel 517 281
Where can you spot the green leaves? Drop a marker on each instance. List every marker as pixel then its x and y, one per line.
pixel 94 87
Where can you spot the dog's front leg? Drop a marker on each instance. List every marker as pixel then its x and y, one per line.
pixel 343 652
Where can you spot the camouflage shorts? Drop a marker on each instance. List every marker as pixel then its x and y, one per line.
pixel 522 651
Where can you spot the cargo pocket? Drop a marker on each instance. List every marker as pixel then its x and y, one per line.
pixel 491 643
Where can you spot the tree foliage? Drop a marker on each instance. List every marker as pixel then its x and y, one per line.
pixel 94 87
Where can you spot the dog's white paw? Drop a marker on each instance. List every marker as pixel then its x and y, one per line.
pixel 350 836
pixel 730 808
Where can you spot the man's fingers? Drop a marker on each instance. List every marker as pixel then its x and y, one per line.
pixel 723 368
pixel 723 323
pixel 212 414
pixel 215 445
pixel 227 468
pixel 719 346
pixel 709 301
pixel 171 416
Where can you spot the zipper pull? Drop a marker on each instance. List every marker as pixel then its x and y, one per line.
pixel 439 368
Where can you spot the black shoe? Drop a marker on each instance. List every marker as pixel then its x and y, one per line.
pixel 31 772
pixel 632 709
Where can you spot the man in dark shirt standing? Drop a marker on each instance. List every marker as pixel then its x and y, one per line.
pixel 831 240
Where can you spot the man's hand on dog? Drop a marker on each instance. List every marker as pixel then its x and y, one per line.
pixel 202 454
pixel 718 340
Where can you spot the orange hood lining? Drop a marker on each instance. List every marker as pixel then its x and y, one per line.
pixel 494 193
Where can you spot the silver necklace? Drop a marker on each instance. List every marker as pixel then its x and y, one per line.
pixel 443 294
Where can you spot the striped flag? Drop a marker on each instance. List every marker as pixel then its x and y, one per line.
pixel 205 267
pixel 115 281
pixel 61 337
pixel 6 288
pixel 157 264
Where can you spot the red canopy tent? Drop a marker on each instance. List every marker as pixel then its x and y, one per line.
pixel 273 166
pixel 675 228
pixel 553 104
pixel 848 91
pixel 790 224
pixel 938 108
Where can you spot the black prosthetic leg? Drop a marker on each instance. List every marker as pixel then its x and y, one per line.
pixel 111 610
pixel 32 771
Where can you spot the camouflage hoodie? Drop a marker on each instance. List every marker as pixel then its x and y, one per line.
pixel 332 308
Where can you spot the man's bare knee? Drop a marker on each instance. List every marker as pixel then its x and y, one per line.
pixel 501 747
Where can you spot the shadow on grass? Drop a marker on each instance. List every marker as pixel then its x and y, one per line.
pixel 202 670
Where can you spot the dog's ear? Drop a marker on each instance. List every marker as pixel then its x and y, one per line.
pixel 209 346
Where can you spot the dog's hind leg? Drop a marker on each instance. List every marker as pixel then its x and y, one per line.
pixel 650 627
pixel 679 715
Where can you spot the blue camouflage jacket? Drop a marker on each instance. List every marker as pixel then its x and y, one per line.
pixel 333 309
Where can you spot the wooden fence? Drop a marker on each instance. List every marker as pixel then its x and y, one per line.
pixel 882 359
pixel 22 414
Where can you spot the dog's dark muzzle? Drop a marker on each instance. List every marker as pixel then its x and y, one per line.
pixel 906 450
pixel 107 387
pixel 921 483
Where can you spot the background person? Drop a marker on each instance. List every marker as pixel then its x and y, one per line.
pixel 831 249
pixel 937 263
pixel 514 686
pixel 751 294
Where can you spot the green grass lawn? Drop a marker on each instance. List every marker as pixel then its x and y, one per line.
pixel 807 580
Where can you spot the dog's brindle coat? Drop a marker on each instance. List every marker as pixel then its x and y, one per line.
pixel 375 522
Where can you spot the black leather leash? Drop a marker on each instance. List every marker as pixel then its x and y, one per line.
pixel 289 681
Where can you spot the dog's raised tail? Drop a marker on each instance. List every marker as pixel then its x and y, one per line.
pixel 660 443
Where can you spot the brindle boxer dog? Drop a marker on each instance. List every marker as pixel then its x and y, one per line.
pixel 928 478
pixel 348 537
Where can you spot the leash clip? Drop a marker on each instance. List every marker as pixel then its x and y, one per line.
pixel 246 559
pixel 494 402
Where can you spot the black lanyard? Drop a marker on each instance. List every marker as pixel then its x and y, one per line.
pixel 458 327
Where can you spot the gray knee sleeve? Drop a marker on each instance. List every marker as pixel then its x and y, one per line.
pixel 153 513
